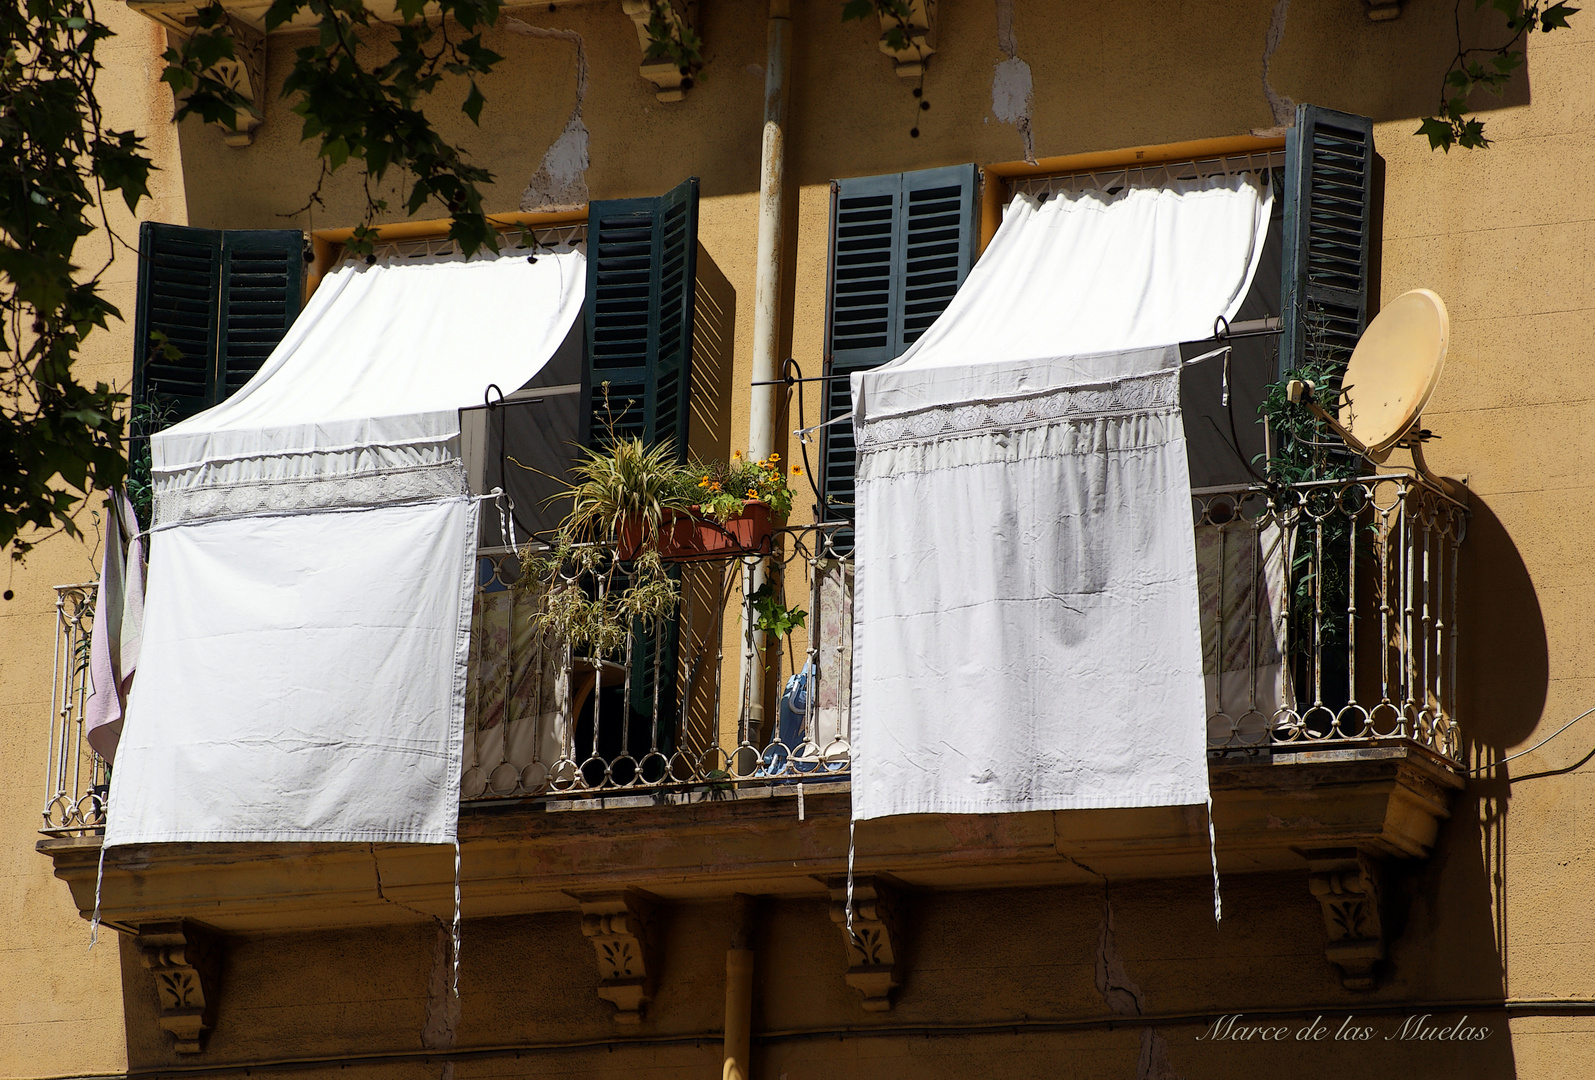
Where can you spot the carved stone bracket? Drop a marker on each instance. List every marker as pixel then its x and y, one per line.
pixel 1382 10
pixel 1346 883
pixel 184 960
pixel 245 73
pixel 874 947
pixel 619 925
pixel 921 34
pixel 673 84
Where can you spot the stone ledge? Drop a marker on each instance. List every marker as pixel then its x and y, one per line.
pixel 527 857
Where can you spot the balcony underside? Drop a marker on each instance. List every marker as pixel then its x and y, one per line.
pixel 1272 814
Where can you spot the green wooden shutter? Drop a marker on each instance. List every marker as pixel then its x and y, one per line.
pixel 223 299
pixel 179 288
pixel 900 246
pixel 262 287
pixel 641 268
pixel 1329 199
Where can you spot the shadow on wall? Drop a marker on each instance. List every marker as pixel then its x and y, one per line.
pixel 1454 933
pixel 713 338
pixel 1502 687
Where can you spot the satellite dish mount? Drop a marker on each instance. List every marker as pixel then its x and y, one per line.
pixel 1389 379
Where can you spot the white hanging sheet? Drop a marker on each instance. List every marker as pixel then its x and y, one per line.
pixel 307 627
pixel 1027 628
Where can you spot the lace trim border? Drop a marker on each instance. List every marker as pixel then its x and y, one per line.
pixel 175 505
pixel 1140 394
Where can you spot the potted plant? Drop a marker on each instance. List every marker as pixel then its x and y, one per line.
pixel 654 510
pixel 737 506
pixel 624 492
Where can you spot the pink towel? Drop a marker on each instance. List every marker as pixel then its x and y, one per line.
pixel 118 627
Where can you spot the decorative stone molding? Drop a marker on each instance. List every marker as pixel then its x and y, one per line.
pixel 1382 10
pixel 874 948
pixel 184 960
pixel 1346 882
pixel 921 33
pixel 619 925
pixel 673 84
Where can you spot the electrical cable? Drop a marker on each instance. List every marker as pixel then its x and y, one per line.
pixel 1530 750
pixel 803 442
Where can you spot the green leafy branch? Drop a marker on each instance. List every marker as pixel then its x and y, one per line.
pixel 59 439
pixel 1486 68
pixel 899 36
pixel 771 616
pixel 364 109
pixel 670 38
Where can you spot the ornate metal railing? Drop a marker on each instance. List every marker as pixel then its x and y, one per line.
pixel 1329 614
pixel 1329 619
pixel 75 776
pixel 670 708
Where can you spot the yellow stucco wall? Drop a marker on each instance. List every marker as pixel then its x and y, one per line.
pixel 61 1006
pixel 1506 236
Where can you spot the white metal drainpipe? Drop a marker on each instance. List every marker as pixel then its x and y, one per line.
pixel 762 407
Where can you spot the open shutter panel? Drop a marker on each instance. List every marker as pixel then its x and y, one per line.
pixel 1329 199
pixel 676 232
pixel 222 299
pixel 262 286
pixel 900 247
pixel 179 275
pixel 641 269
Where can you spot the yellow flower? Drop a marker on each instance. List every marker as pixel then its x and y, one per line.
pixel 714 487
pixel 797 470
pixel 737 454
pixel 775 457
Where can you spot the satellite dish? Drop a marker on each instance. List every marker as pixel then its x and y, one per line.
pixel 1394 370
pixel 1389 379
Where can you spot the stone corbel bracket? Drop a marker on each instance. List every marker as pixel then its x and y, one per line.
pixel 1346 882
pixel 1382 10
pixel 245 73
pixel 185 960
pixel 921 34
pixel 874 947
pixel 672 82
pixel 620 927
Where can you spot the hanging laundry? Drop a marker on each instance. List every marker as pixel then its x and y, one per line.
pixel 118 627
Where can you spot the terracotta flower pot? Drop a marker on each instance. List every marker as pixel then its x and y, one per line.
pixel 688 537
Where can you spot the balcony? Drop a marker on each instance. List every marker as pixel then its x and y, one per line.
pixel 679 767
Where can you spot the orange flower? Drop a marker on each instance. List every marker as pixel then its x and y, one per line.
pixel 797 470
pixel 737 454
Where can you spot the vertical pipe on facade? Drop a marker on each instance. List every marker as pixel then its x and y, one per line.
pixel 739 991
pixel 767 284
pixel 762 405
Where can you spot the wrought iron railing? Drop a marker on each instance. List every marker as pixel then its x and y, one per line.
pixel 75 776
pixel 702 698
pixel 1329 619
pixel 1329 614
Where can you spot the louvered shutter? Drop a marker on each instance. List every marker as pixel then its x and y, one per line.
pixel 1329 199
pixel 641 269
pixel 900 247
pixel 222 299
pixel 262 286
pixel 179 288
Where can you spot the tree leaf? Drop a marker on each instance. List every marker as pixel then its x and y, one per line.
pixel 1555 17
pixel 1439 133
pixel 473 104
